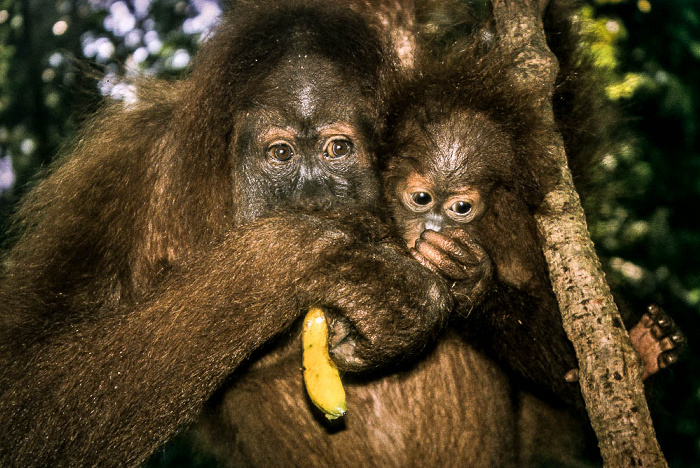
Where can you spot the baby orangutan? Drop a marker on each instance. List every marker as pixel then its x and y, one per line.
pixel 463 172
pixel 439 196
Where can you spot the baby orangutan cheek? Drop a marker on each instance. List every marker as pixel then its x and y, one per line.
pixel 411 232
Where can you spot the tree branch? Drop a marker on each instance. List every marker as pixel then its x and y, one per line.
pixel 610 373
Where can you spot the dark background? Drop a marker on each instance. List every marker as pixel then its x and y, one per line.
pixel 59 58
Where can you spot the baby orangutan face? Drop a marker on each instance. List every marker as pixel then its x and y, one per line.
pixel 444 171
pixel 426 205
pixel 439 189
pixel 434 222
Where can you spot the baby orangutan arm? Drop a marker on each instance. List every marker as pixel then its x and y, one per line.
pixel 501 314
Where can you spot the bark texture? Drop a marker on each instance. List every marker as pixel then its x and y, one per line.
pixel 610 372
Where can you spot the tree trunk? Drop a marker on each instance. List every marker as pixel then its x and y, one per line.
pixel 610 371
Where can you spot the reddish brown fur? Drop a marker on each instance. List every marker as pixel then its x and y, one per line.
pixel 453 408
pixel 143 288
pixel 463 126
pixel 463 123
pixel 141 277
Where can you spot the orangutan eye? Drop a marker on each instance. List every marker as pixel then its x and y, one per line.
pixel 464 208
pixel 417 199
pixel 421 198
pixel 461 207
pixel 280 152
pixel 338 148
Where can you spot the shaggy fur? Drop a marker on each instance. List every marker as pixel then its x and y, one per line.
pixel 462 126
pixel 161 266
pixel 169 245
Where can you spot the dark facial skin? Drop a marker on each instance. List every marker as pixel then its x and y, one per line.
pixel 303 145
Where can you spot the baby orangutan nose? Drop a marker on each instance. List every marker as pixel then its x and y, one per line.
pixel 433 222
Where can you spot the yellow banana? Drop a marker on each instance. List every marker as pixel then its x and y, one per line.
pixel 320 374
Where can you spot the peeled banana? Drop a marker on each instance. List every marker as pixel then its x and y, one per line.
pixel 321 377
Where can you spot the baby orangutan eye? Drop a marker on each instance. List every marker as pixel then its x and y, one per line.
pixel 280 152
pixel 461 207
pixel 421 198
pixel 338 148
pixel 464 209
pixel 417 199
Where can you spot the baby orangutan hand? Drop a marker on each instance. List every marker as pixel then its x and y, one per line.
pixel 455 255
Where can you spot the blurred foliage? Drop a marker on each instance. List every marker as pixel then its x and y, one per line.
pixel 643 209
pixel 52 50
